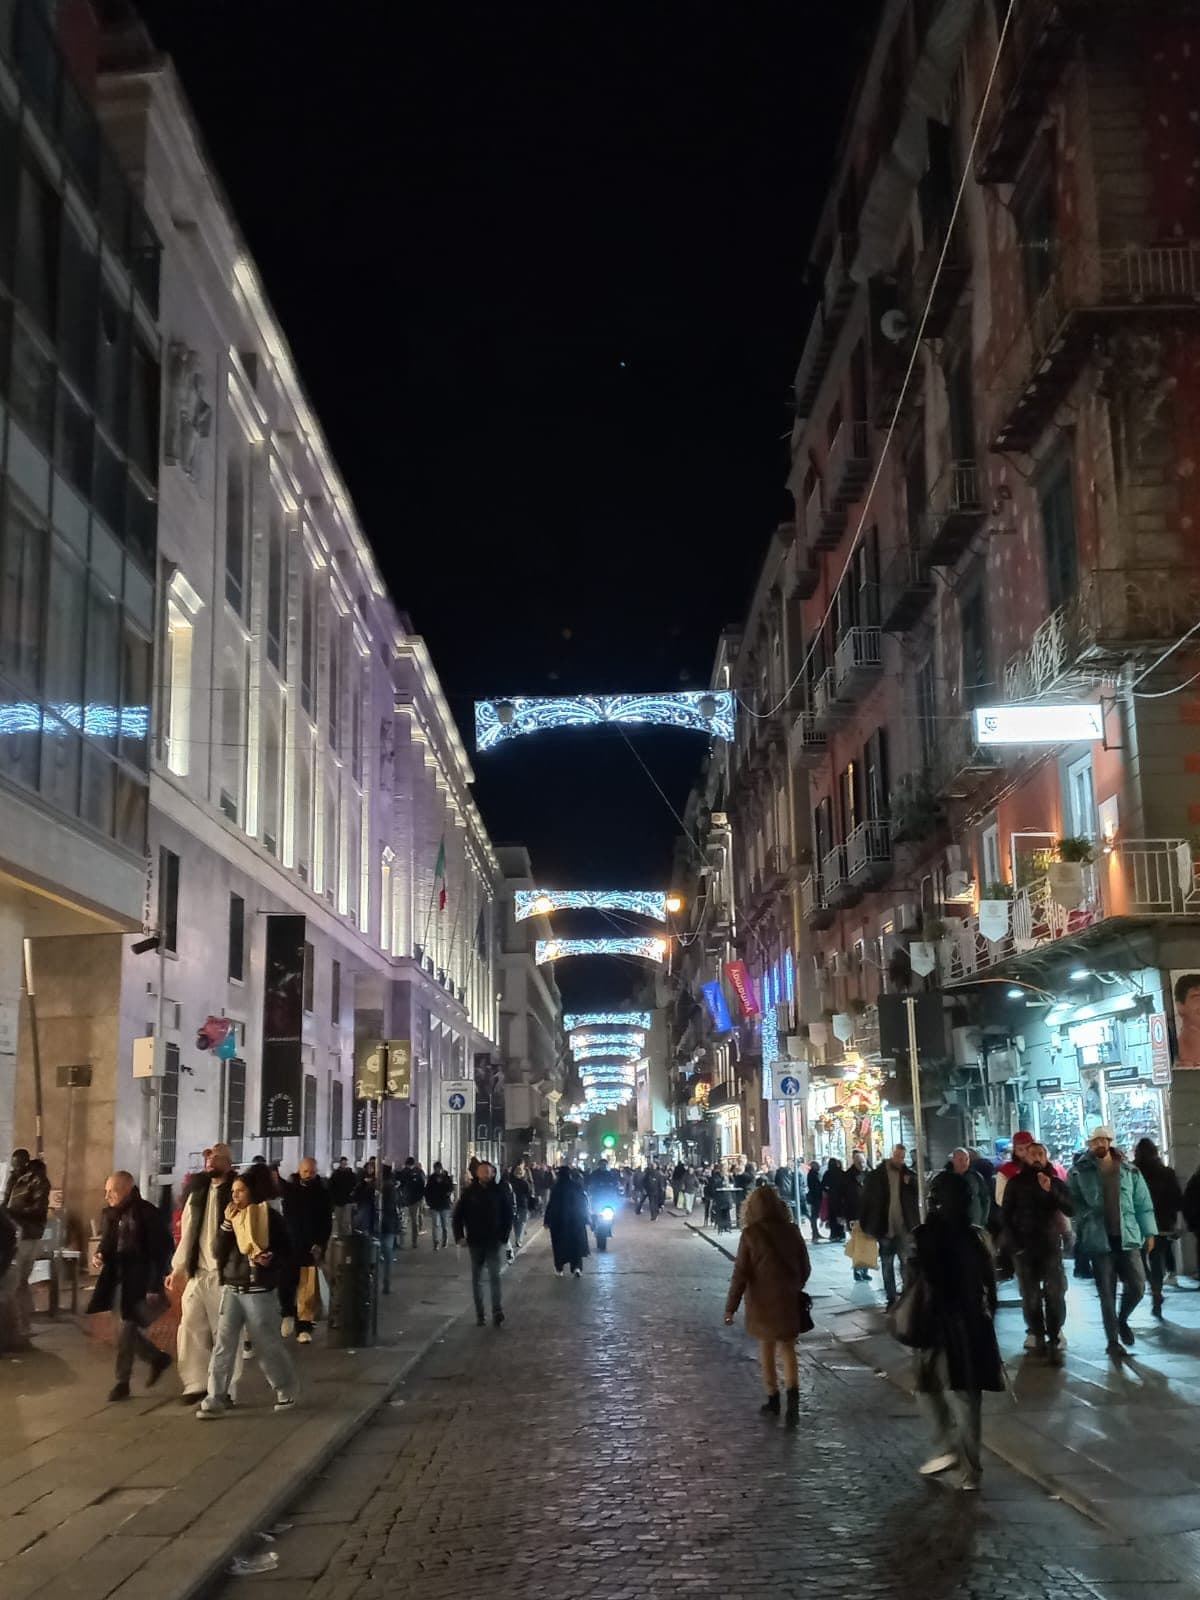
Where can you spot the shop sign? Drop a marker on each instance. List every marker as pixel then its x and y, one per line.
pixel 1049 1086
pixel 1160 1077
pixel 1122 1075
pixel 1054 724
pixel 1160 1047
pixel 739 976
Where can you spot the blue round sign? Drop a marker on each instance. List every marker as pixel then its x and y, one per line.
pixel 457 1102
pixel 789 1087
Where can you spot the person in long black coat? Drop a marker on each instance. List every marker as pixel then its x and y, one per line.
pixel 813 1185
pixel 567 1220
pixel 953 1285
pixel 133 1258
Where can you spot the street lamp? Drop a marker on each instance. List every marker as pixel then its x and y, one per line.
pixel 674 904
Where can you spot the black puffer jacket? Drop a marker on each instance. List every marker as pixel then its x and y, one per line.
pixel 308 1212
pixel 29 1200
pixel 1164 1191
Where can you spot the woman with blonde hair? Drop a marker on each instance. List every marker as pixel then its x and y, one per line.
pixel 771 1270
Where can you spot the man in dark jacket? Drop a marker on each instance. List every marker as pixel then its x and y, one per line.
pixel 132 1260
pixel 483 1220
pixel 654 1189
pixel 813 1186
pixel 308 1213
pixel 410 1191
pixel 27 1201
pixel 439 1196
pixel 342 1183
pixel 1036 1201
pixel 890 1214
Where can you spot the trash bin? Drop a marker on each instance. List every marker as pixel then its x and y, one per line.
pixel 354 1291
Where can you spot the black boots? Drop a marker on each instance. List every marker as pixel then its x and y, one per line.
pixel 791 1416
pixel 770 1407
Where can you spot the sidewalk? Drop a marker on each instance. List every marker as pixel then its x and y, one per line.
pixel 1122 1445
pixel 140 1501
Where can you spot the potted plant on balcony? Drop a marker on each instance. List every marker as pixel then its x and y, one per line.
pixel 1065 874
pixel 916 812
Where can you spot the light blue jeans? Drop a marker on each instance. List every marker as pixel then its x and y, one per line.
pixel 254 1317
pixel 441 1232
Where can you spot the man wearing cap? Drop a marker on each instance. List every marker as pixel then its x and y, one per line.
pixel 1114 1218
pixel 1022 1141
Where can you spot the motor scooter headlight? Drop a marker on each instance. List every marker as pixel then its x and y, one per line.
pixel 607 1214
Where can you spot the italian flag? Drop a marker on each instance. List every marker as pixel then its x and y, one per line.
pixel 439 874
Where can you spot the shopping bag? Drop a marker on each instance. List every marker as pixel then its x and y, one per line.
pixel 862 1250
pixel 312 1295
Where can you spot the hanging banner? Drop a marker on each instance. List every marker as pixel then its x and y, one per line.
pixel 743 986
pixel 282 1080
pixel 993 919
pixel 718 1007
pixel 922 957
pixel 1066 883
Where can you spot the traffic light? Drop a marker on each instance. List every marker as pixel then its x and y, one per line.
pixel 609 1141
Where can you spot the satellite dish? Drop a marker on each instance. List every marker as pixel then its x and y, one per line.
pixel 893 325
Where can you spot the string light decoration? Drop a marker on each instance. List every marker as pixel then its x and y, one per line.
pixel 647 949
pixel 607 1052
pixel 605 1075
pixel 607 1019
pixel 620 1037
pixel 541 902
pixel 708 711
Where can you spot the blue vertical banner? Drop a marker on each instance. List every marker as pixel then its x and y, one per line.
pixel 718 1008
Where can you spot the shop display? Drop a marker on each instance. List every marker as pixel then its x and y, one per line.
pixel 1135 1112
pixel 1060 1126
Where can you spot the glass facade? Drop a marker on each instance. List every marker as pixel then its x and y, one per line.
pixel 79 445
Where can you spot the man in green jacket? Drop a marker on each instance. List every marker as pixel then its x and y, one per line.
pixel 1114 1216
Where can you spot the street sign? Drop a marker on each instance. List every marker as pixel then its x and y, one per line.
pixel 458 1097
pixel 792 1085
pixel 399 1069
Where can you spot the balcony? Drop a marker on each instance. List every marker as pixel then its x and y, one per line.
pixel 1142 881
pixel 848 469
pixel 1040 44
pixel 816 914
pixel 806 742
pixel 801 572
pixel 960 766
pixel 1117 612
pixel 858 662
pixel 1088 291
pixel 908 589
pixel 940 291
pixel 824 520
pixel 836 297
pixel 840 890
pixel 869 854
pixel 956 512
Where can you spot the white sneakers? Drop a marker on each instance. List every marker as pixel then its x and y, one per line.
pixel 287 1327
pixel 937 1464
pixel 304 1338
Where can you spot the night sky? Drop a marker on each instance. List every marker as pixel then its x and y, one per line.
pixel 543 271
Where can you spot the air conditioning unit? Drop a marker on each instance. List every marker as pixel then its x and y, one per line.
pixel 1003 1065
pixel 906 918
pixel 968 1043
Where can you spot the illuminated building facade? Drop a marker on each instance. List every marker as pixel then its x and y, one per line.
pixel 79 328
pixel 1012 524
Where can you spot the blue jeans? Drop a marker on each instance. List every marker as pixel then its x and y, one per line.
pixel 485 1255
pixel 256 1318
pixel 441 1232
pixel 1107 1268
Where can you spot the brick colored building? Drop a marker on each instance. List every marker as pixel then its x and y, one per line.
pixel 994 472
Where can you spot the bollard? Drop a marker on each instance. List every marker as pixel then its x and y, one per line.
pixel 354 1291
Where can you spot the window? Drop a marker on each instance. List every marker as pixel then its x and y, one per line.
pixel 927 711
pixel 337 1117
pixel 233 1120
pixel 102 679
pixel 275 592
pixel 1058 530
pixel 177 690
pixel 36 274
pixel 356 752
pixel 974 649
pixel 850 790
pixel 235 533
pixel 77 307
pixel 112 367
pixel 136 655
pixel 73 442
pixel 335 993
pixel 271 766
pixel 309 975
pixel 1036 213
pixel 303 823
pixel 823 830
pixel 168 899
pixel 168 1109
pixel 31 386
pixel 237 938
pixel 875 776
pixel 232 709
pixel 916 490
pixel 335 684
pixel 307 608
pixel 143 411
pixel 24 564
pixel 961 401
pixel 308 1135
pixel 1081 798
pixel 385 902
pixel 990 869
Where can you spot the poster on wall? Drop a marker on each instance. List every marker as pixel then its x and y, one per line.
pixel 283 1024
pixel 1185 992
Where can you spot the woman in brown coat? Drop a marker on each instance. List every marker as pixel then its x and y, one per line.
pixel 771 1270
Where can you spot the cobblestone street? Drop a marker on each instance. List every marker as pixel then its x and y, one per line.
pixel 606 1442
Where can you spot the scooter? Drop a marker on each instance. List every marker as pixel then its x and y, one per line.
pixel 603 1218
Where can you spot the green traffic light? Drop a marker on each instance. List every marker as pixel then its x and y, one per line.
pixel 609 1141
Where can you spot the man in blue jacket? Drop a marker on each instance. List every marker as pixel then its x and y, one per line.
pixel 1114 1217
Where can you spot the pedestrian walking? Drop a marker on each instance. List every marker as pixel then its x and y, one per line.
pixel 27 1201
pixel 1114 1218
pixel 771 1270
pixel 308 1215
pixel 831 1192
pixel 342 1183
pixel 1167 1197
pixel 863 1252
pixel 483 1220
pixel 522 1188
pixel 195 1273
pixel 812 1184
pixel 567 1219
pixel 947 1317
pixel 979 1191
pixel 655 1190
pixel 410 1185
pixel 253 1259
pixel 890 1215
pixel 365 1203
pixel 131 1261
pixel 691 1188
pixel 439 1197
pixel 678 1174
pixel 743 1183
pixel 1036 1209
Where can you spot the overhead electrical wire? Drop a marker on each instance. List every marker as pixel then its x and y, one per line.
pixel 947 245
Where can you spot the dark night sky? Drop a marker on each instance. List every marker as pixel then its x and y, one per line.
pixel 542 269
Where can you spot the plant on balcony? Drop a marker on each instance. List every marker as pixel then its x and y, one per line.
pixel 857 1007
pixel 916 812
pixel 997 891
pixel 1082 851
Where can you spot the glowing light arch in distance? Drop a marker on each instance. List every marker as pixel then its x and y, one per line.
pixel 607 1019
pixel 541 902
pixel 650 948
pixel 619 1038
pixel 708 711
